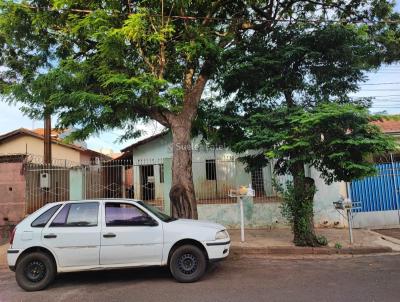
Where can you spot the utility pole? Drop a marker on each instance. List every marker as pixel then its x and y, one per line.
pixel 47 139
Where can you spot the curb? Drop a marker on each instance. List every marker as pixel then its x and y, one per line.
pixel 249 251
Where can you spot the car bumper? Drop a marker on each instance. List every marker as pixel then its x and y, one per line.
pixel 12 256
pixel 218 250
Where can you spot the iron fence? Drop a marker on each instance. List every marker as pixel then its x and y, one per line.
pixel 144 179
pixel 213 178
pixel 108 179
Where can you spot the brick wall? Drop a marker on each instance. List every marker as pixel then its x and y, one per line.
pixel 12 192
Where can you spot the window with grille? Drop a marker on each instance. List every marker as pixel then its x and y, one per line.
pixel 257 181
pixel 211 169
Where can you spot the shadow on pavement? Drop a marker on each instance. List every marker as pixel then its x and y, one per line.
pixel 121 276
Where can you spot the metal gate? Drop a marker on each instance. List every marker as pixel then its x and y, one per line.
pixel 65 180
pixel 378 196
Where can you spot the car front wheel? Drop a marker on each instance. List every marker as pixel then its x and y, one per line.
pixel 188 263
pixel 35 271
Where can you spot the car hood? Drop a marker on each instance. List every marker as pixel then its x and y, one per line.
pixel 198 223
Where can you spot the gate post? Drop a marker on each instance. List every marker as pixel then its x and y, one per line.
pixel 123 186
pixel 396 192
pixel 167 184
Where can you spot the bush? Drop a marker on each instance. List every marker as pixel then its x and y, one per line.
pixel 297 208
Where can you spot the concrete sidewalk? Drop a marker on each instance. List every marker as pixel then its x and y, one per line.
pixel 279 242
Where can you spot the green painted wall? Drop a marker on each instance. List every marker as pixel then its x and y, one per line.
pixel 256 215
pixel 76 184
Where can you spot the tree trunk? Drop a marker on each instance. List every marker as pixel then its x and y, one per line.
pixel 303 213
pixel 182 195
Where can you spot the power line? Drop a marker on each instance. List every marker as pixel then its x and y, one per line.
pixel 377 96
pixel 371 90
pixel 387 83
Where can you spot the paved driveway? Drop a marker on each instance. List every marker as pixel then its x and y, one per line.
pixel 367 278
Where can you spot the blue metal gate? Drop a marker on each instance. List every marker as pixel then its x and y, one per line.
pixel 380 192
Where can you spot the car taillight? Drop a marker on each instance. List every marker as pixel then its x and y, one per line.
pixel 12 236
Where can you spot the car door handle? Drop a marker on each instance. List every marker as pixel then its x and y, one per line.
pixel 109 235
pixel 49 236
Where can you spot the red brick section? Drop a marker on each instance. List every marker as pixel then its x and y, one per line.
pixel 249 251
pixel 12 193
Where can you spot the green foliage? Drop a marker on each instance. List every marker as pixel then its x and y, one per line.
pixel 301 113
pixel 322 240
pixel 299 214
pixel 288 205
pixel 338 246
pixel 336 139
pixel 107 64
pixel 101 65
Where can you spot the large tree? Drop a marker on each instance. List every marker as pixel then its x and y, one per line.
pixel 290 104
pixel 110 64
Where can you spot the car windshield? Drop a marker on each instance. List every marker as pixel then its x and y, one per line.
pixel 164 217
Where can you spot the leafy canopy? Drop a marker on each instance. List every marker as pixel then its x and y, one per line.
pixel 290 103
pixel 107 64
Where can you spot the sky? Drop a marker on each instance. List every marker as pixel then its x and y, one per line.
pixel 383 84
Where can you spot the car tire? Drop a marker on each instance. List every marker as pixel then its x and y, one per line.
pixel 188 263
pixel 35 271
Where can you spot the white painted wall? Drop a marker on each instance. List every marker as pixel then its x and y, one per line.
pixel 228 177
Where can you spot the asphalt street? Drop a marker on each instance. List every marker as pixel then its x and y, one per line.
pixel 355 279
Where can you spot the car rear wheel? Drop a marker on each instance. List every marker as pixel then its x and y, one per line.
pixel 188 263
pixel 35 271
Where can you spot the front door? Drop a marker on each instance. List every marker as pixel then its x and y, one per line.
pixel 74 234
pixel 129 236
pixel 147 182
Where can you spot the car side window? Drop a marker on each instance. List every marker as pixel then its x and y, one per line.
pixel 44 218
pixel 77 215
pixel 125 214
pixel 61 217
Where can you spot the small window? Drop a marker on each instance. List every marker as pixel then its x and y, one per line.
pixel 77 215
pixel 125 214
pixel 211 169
pixel 161 173
pixel 44 218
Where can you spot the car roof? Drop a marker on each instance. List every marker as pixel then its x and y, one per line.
pixel 95 199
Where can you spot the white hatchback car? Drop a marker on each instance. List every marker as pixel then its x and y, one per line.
pixel 103 234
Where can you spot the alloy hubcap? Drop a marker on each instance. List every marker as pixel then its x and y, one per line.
pixel 35 271
pixel 187 264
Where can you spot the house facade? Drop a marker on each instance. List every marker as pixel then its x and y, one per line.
pixel 26 183
pixel 217 170
pixel 24 141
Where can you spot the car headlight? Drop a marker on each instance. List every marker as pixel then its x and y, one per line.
pixel 221 235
